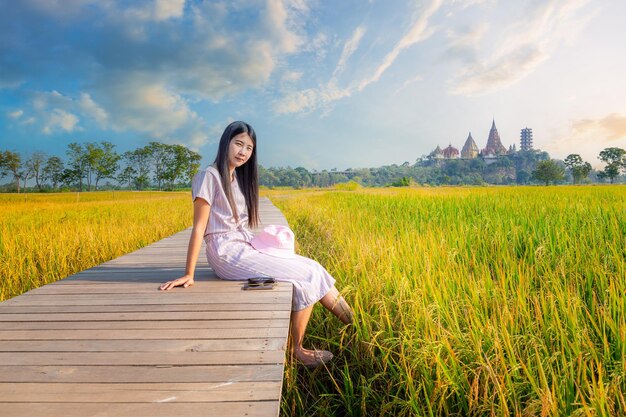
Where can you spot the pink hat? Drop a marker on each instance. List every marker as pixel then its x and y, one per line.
pixel 275 240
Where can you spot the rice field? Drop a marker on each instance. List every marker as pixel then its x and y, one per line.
pixel 469 301
pixel 45 237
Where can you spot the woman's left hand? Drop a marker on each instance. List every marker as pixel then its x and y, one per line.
pixel 185 281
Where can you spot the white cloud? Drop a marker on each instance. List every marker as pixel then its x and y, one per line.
pixel 55 111
pixel 407 83
pixel 524 46
pixel 281 23
pixel 90 107
pixel 503 71
pixel 16 114
pixel 10 81
pixel 419 32
pixel 292 76
pixel 59 119
pixel 43 100
pixel 153 11
pixel 140 103
pixel 612 127
pixel 348 49
pixel 167 9
pixel 464 4
pixel 465 43
pixel 66 9
pixel 135 102
pixel 298 101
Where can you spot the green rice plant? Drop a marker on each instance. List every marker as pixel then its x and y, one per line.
pixel 469 301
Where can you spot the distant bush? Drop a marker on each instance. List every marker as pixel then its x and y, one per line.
pixel 348 186
pixel 402 182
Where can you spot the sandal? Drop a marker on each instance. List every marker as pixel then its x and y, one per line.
pixel 321 357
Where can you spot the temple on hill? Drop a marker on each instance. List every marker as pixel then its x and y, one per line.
pixel 526 139
pixel 493 150
pixel 494 145
pixel 450 152
pixel 470 150
pixel 436 154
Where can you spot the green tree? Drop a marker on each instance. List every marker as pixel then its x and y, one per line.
pixel 173 164
pixel 12 163
pixel 126 176
pixel 304 177
pixel 106 161
pixel 402 182
pixel 93 153
pixel 159 156
pixel 35 165
pixel 579 168
pixel 53 170
pixel 140 161
pixel 3 168
pixel 615 159
pixel 267 177
pixel 72 177
pixel 78 164
pixel 192 164
pixel 547 171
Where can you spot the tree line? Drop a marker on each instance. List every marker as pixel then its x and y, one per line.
pixel 521 168
pixel 550 171
pixel 87 164
pixel 166 167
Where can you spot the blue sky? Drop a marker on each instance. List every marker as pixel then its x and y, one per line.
pixel 326 84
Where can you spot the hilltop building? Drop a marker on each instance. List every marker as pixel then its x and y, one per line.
pixel 494 145
pixel 526 139
pixel 492 151
pixel 470 150
pixel 436 154
pixel 450 152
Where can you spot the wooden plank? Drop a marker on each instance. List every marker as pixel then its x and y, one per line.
pixel 141 288
pixel 138 392
pixel 236 357
pixel 155 345
pixel 165 409
pixel 201 311
pixel 251 323
pixel 184 320
pixel 127 374
pixel 187 297
pixel 238 333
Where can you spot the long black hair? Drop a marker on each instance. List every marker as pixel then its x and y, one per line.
pixel 247 174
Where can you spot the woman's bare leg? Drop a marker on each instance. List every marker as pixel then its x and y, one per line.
pixel 334 302
pixel 299 321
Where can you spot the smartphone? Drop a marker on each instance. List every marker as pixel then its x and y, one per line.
pixel 258 287
pixel 261 281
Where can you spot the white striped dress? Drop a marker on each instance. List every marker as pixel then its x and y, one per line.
pixel 231 255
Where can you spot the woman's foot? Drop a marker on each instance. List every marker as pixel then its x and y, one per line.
pixel 312 359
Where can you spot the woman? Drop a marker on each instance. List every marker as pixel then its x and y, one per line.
pixel 228 190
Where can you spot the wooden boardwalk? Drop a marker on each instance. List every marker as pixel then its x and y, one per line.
pixel 107 342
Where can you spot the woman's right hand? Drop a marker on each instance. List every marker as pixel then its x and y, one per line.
pixel 185 281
